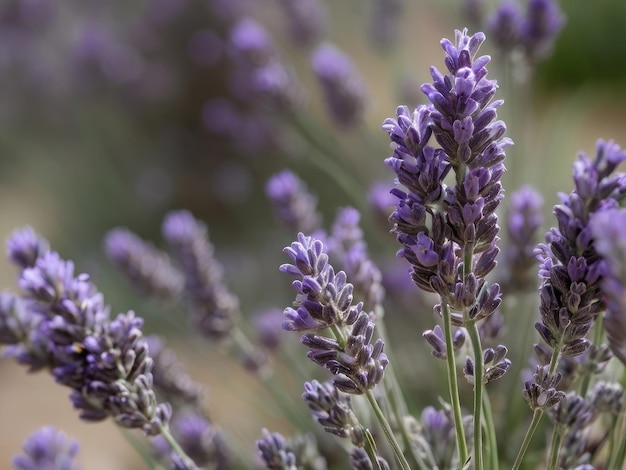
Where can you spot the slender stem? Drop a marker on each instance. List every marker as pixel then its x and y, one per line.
pixel 394 394
pixel 479 384
pixel 620 455
pixel 537 414
pixel 490 432
pixel 370 449
pixel 404 464
pixel 453 387
pixel 187 463
pixel 555 447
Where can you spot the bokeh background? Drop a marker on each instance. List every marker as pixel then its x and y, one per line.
pixel 114 113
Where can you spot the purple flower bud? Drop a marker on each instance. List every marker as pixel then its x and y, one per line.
pixel 25 246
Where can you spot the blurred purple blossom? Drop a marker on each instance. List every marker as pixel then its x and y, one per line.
pixel 342 86
pixel 48 449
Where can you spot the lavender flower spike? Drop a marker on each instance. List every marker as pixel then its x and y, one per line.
pixel 293 205
pixel 570 269
pixel 306 20
pixel 608 228
pixel 105 362
pixel 343 87
pixel 214 309
pixel 48 449
pixel 149 269
pixel 324 300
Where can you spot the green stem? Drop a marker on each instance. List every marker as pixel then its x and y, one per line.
pixel 394 395
pixel 453 388
pixel 620 455
pixel 598 334
pixel 479 384
pixel 188 464
pixel 537 414
pixel 370 449
pixel 555 447
pixel 490 432
pixel 404 464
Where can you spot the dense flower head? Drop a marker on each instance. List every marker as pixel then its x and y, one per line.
pixel 342 86
pixel 504 26
pixel 48 449
pixel 570 268
pixel 324 300
pixel 440 226
pixel 148 268
pixel 68 330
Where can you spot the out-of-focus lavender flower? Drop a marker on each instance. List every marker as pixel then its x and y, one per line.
pixel 381 203
pixel 343 87
pixel 25 246
pixel 214 309
pixel 257 69
pixel 385 22
pixel 437 430
pixel 171 381
pixel 346 243
pixel 505 26
pixel 570 268
pixel 607 397
pixel 474 11
pixel 47 449
pixel 608 228
pixel 205 47
pixel 439 225
pixel 292 203
pixel 530 34
pixel 299 452
pixel 324 300
pixel 267 324
pixel 201 441
pixel 523 220
pixel 104 361
pixel 544 21
pixel 306 20
pixel 248 39
pixel 148 268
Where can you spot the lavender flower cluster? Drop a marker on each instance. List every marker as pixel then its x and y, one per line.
pixel 367 401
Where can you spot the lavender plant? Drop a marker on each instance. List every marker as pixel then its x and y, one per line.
pixel 364 400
